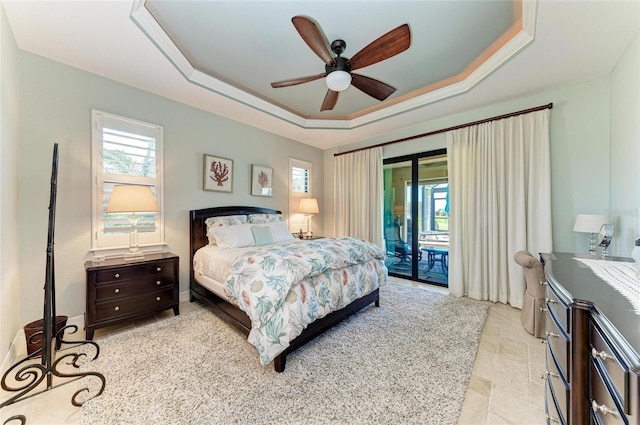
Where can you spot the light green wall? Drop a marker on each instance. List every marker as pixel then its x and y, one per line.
pixel 56 102
pixel 625 149
pixel 579 151
pixel 9 273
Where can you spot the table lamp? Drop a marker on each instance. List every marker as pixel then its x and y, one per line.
pixel 132 200
pixel 590 223
pixel 308 207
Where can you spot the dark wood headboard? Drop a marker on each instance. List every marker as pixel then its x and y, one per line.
pixel 198 230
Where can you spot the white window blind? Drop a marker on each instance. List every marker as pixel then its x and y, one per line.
pixel 125 151
pixel 300 179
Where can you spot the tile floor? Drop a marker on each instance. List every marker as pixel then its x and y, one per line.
pixel 505 386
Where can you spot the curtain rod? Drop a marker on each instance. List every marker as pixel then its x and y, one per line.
pixel 457 127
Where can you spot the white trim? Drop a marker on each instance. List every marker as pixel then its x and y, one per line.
pixel 150 27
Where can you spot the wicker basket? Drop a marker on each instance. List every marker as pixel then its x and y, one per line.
pixel 35 327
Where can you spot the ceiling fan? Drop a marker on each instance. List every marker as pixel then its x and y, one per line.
pixel 338 69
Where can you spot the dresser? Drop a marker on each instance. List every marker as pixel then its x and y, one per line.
pixel 119 290
pixel 592 371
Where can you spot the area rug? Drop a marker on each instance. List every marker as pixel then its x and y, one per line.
pixel 408 361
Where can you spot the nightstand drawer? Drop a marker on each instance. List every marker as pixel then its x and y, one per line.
pixel 132 287
pixel 149 269
pixel 123 307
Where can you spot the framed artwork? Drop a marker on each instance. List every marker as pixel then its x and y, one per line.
pixel 261 180
pixel 217 174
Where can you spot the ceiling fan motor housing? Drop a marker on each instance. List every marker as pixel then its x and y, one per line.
pixel 341 65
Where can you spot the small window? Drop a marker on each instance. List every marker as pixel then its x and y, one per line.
pixel 125 151
pixel 299 187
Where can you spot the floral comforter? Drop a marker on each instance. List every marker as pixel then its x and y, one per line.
pixel 286 286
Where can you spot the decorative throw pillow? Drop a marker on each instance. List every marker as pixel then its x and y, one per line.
pixel 262 235
pixel 264 218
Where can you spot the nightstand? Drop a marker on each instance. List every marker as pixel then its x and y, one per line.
pixel 119 290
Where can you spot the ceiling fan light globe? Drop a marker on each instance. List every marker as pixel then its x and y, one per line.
pixel 338 80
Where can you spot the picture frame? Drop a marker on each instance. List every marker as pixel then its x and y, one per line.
pixel 217 174
pixel 261 180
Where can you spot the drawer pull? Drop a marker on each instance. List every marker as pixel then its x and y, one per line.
pixel 158 282
pixel 117 290
pixel 117 308
pixel 551 301
pixel 602 409
pixel 552 419
pixel 547 373
pixel 157 298
pixel 544 283
pixel 117 275
pixel 543 309
pixel 159 269
pixel 543 341
pixel 601 354
pixel 552 335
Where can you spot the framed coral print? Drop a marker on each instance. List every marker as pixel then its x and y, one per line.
pixel 217 174
pixel 261 180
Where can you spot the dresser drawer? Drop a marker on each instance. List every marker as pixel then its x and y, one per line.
pixel 558 343
pixel 606 357
pixel 116 308
pixel 559 308
pixel 133 272
pixel 129 288
pixel 604 409
pixel 558 385
pixel 554 415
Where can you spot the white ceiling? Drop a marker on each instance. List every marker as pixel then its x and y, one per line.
pixel 220 56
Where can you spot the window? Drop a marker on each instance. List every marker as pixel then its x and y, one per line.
pixel 124 151
pixel 299 187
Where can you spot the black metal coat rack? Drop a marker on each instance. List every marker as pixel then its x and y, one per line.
pixel 25 376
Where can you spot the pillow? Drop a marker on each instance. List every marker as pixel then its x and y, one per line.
pixel 280 231
pixel 224 220
pixel 264 218
pixel 262 235
pixel 238 236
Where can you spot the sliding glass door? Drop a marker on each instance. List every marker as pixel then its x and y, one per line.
pixel 416 211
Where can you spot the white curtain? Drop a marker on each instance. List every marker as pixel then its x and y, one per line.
pixel 500 203
pixel 358 190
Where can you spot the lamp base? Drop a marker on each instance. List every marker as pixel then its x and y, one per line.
pixel 133 255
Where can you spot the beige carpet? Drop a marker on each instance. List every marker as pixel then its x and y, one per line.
pixel 407 362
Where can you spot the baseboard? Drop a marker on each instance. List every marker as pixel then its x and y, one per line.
pixel 183 296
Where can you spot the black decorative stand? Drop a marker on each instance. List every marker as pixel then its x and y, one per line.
pixel 25 376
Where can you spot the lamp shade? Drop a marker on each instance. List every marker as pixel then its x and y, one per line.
pixel 132 199
pixel 338 80
pixel 308 206
pixel 590 223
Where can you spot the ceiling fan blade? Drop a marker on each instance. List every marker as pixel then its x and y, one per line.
pixel 329 101
pixel 314 37
pixel 296 81
pixel 371 86
pixel 395 41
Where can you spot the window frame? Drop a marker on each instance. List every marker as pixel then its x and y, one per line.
pixel 114 244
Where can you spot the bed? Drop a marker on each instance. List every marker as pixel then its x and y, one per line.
pixel 360 279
